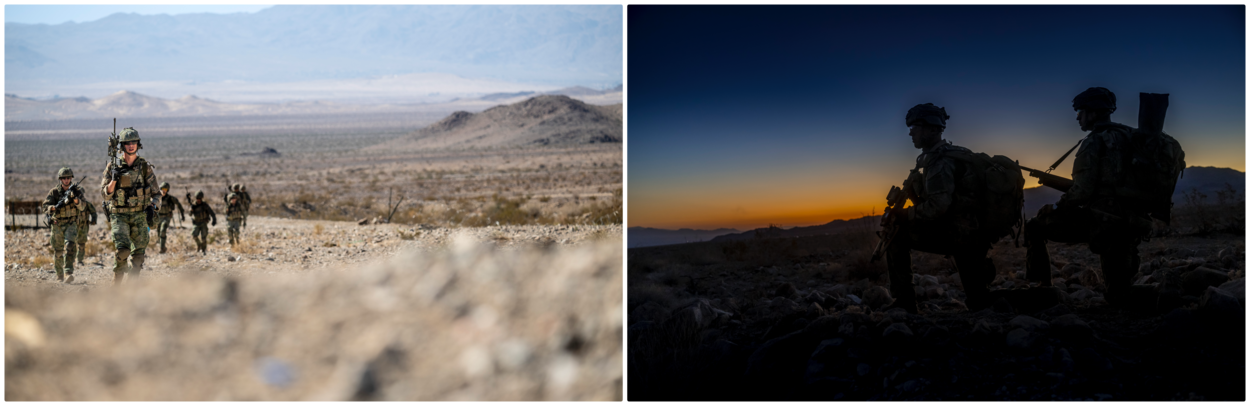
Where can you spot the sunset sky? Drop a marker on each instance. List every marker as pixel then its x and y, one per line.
pixel 742 116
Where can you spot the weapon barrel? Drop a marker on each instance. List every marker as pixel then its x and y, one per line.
pixel 1056 182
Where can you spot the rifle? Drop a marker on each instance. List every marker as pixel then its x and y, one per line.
pixel 894 200
pixel 74 192
pixel 1056 182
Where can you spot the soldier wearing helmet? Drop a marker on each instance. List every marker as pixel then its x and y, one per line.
pixel 129 193
pixel 940 221
pixel 64 223
pixel 166 214
pixel 200 214
pixel 234 216
pixel 86 219
pixel 246 198
pixel 1089 211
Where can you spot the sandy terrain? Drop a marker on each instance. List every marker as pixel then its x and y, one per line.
pixel 321 310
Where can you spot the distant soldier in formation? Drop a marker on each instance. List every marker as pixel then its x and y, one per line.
pixel 1091 211
pixel 941 220
pixel 166 213
pixel 64 225
pixel 247 202
pixel 234 217
pixel 200 214
pixel 130 193
pixel 85 220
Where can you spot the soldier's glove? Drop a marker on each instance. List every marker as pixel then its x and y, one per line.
pixel 93 219
pixel 150 212
pixel 214 222
pixel 182 217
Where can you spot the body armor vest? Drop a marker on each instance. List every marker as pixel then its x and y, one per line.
pixel 131 192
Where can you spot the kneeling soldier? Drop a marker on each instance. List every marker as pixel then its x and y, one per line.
pixel 943 219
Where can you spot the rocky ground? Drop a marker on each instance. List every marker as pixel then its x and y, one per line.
pixel 323 310
pixel 802 319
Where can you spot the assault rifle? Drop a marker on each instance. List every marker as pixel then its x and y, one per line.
pixel 895 200
pixel 74 192
pixel 1056 182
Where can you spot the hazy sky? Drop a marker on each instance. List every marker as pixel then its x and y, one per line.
pixel 31 14
pixel 741 116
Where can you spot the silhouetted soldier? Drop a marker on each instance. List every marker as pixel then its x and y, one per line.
pixel 1090 211
pixel 942 219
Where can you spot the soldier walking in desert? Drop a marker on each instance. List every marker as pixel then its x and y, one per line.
pixel 200 215
pixel 130 193
pixel 944 218
pixel 64 213
pixel 1107 204
pixel 247 202
pixel 85 220
pixel 234 217
pixel 166 213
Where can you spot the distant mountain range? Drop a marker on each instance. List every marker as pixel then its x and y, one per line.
pixel 133 105
pixel 646 236
pixel 538 121
pixel 1204 179
pixel 550 45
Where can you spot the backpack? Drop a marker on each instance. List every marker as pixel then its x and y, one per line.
pixel 1150 164
pixel 998 190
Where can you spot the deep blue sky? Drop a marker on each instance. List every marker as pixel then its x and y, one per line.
pixel 751 114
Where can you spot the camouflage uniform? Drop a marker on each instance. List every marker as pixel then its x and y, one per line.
pixel 64 231
pixel 136 189
pixel 85 220
pixel 166 215
pixel 941 220
pixel 234 217
pixel 200 214
pixel 246 198
pixel 1090 213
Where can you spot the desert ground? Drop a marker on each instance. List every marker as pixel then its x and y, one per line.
pixel 801 318
pixel 485 273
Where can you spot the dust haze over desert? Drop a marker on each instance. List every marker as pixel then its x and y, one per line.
pixel 453 173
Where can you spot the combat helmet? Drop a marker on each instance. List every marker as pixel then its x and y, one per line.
pixel 1094 98
pixel 65 173
pixel 927 114
pixel 199 194
pixel 232 196
pixel 164 185
pixel 130 134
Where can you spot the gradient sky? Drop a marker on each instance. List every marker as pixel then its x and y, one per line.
pixel 742 116
pixel 57 14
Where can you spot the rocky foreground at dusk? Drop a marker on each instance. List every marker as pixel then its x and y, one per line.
pixel 801 319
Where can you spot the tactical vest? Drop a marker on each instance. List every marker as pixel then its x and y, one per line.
pixel 131 192
pixel 167 205
pixel 234 211
pixel 199 213
pixel 69 211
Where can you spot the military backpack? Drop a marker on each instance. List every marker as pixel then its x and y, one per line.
pixel 996 186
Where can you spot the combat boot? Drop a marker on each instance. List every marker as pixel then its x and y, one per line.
pixel 60 276
pixel 69 278
pixel 136 265
pixel 117 278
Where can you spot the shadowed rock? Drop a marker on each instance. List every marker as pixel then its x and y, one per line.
pixel 1197 280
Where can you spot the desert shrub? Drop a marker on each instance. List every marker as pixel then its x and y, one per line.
pixel 1200 216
